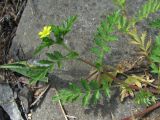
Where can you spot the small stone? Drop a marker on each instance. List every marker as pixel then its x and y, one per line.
pixel 29 118
pixel 29 115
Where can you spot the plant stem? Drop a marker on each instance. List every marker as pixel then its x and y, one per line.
pixel 87 62
pixel 80 59
pixel 144 112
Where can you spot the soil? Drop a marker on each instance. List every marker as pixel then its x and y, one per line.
pixel 10 14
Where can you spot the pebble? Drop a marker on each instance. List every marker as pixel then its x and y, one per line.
pixel 29 116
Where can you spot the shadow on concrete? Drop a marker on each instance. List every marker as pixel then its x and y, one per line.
pixel 108 106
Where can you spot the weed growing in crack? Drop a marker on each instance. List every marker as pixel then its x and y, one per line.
pixel 102 77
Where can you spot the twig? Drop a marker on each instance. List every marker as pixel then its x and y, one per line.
pixel 17 5
pixel 20 11
pixel 89 76
pixel 14 4
pixel 40 96
pixel 72 117
pixel 61 106
pixel 153 90
pixel 23 108
pixel 144 112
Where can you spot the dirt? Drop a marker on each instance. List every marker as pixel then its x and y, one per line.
pixel 10 14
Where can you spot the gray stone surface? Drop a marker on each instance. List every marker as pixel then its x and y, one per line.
pixel 103 111
pixel 8 103
pixel 90 12
pixel 48 110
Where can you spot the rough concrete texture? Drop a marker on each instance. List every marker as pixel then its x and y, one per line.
pixel 90 12
pixel 8 103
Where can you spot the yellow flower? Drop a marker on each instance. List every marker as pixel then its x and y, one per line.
pixel 45 32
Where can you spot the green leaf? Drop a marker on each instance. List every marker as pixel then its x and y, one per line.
pixel 151 6
pixel 123 24
pixel 46 42
pixel 39 48
pixel 106 49
pixel 56 56
pixel 68 24
pixel 85 85
pixel 57 30
pixel 38 74
pixel 155 69
pixel 96 96
pixel 33 81
pixel 17 67
pixel 74 88
pixel 94 84
pixel 59 63
pixel 45 62
pixel 120 3
pixel 111 38
pixel 99 42
pixel 86 99
pixel 155 56
pixel 155 24
pixel 13 65
pixel 72 55
pixel 62 30
pixel 145 98
pixel 68 95
pixel 106 88
pixel 35 73
pixel 64 95
pixel 105 35
pixel 95 50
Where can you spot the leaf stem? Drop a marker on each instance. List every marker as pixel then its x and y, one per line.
pixel 80 59
pixel 87 62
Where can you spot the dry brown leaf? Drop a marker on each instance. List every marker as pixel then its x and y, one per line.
pixel 126 92
pixel 133 80
pixel 139 81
